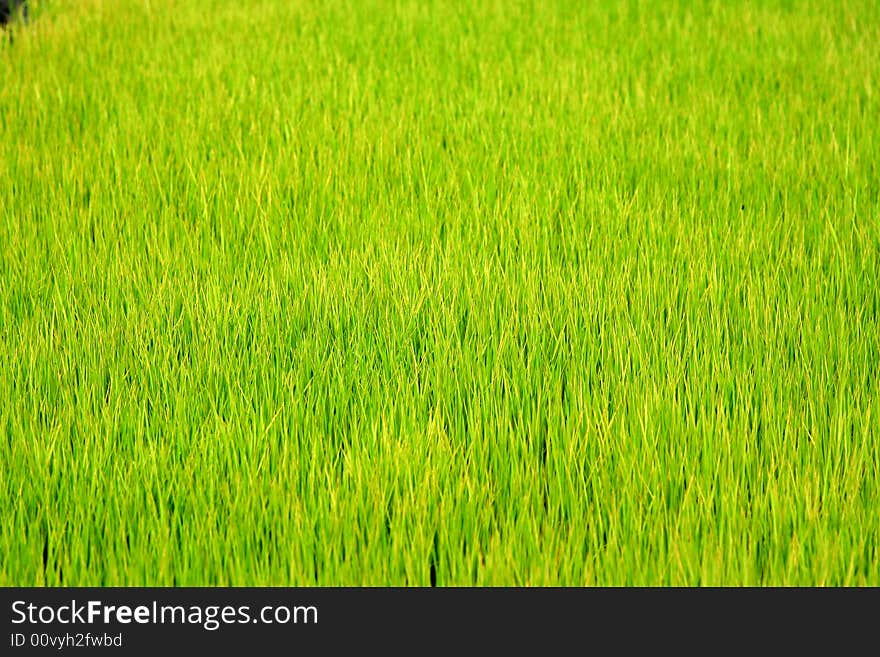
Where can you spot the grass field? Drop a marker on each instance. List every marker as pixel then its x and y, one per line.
pixel 390 292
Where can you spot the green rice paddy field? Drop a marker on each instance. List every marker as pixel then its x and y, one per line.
pixel 400 292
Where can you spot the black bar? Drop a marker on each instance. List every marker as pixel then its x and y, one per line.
pixel 414 621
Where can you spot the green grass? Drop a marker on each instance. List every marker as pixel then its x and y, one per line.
pixel 386 292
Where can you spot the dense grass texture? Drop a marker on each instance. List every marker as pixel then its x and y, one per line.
pixel 413 292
